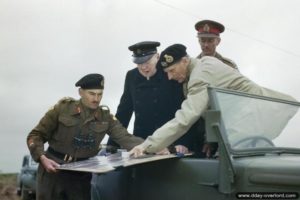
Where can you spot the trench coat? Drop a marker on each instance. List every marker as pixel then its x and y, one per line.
pixel 202 73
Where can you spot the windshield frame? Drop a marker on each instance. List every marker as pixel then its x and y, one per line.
pixel 215 105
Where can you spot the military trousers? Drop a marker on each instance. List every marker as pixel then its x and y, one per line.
pixel 63 185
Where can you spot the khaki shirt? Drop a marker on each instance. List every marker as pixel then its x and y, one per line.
pixel 73 129
pixel 208 71
pixel 227 61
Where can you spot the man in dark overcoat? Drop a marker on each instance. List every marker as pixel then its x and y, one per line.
pixel 150 95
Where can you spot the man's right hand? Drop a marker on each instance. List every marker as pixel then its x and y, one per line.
pixel 137 151
pixel 48 164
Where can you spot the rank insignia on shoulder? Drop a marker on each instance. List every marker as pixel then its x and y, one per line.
pixel 78 109
pixel 51 108
pixel 104 108
pixel 30 142
pixel 114 118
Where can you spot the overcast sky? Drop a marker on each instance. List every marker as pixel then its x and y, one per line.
pixel 47 45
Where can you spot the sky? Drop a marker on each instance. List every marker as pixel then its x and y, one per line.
pixel 47 45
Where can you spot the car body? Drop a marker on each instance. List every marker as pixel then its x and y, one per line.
pixel 26 180
pixel 258 156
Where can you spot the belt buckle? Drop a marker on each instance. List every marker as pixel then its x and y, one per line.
pixel 68 158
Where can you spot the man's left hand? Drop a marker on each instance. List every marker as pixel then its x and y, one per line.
pixel 181 149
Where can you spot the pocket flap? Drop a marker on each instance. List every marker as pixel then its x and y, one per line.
pixel 68 120
pixel 99 127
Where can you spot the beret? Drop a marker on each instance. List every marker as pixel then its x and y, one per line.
pixel 91 81
pixel 171 55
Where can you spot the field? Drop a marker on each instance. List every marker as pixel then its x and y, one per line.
pixel 8 190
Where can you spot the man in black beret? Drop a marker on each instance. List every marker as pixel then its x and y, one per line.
pixel 208 33
pixel 198 74
pixel 74 130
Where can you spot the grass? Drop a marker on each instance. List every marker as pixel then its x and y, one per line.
pixel 8 187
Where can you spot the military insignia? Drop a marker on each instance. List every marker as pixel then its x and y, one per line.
pixel 51 108
pixel 102 83
pixel 206 28
pixel 164 64
pixel 105 108
pixel 30 142
pixel 168 58
pixel 138 51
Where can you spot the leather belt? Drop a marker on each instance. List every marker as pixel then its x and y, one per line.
pixel 64 157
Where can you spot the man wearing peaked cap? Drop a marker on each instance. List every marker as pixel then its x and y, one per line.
pixel 149 94
pixel 199 75
pixel 143 51
pixel 209 28
pixel 208 33
pixel 74 130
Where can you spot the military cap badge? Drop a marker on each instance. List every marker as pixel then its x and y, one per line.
pixel 102 84
pixel 164 64
pixel 206 28
pixel 138 51
pixel 168 58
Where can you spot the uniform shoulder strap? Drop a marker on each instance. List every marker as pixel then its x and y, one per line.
pixel 66 100
pixel 105 111
pixel 227 61
pixel 230 63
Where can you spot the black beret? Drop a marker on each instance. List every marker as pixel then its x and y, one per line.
pixel 91 81
pixel 143 51
pixel 209 28
pixel 171 55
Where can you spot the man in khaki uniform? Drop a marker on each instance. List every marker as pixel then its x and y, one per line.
pixel 199 74
pixel 74 130
pixel 209 38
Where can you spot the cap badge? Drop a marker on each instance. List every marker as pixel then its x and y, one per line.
pixel 168 58
pixel 138 51
pixel 164 64
pixel 206 28
pixel 102 83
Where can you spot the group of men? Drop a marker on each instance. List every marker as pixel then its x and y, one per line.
pixel 166 92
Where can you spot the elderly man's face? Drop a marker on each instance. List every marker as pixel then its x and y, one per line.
pixel 208 45
pixel 148 68
pixel 91 97
pixel 177 71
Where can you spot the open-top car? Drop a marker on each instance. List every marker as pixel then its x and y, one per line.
pixel 26 180
pixel 258 156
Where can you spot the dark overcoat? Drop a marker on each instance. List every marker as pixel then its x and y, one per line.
pixel 153 101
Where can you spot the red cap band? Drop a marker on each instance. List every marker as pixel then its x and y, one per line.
pixel 210 30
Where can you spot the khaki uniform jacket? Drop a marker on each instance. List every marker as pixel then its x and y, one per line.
pixel 208 71
pixel 226 61
pixel 71 128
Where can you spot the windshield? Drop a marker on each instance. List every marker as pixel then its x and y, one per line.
pixel 253 123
